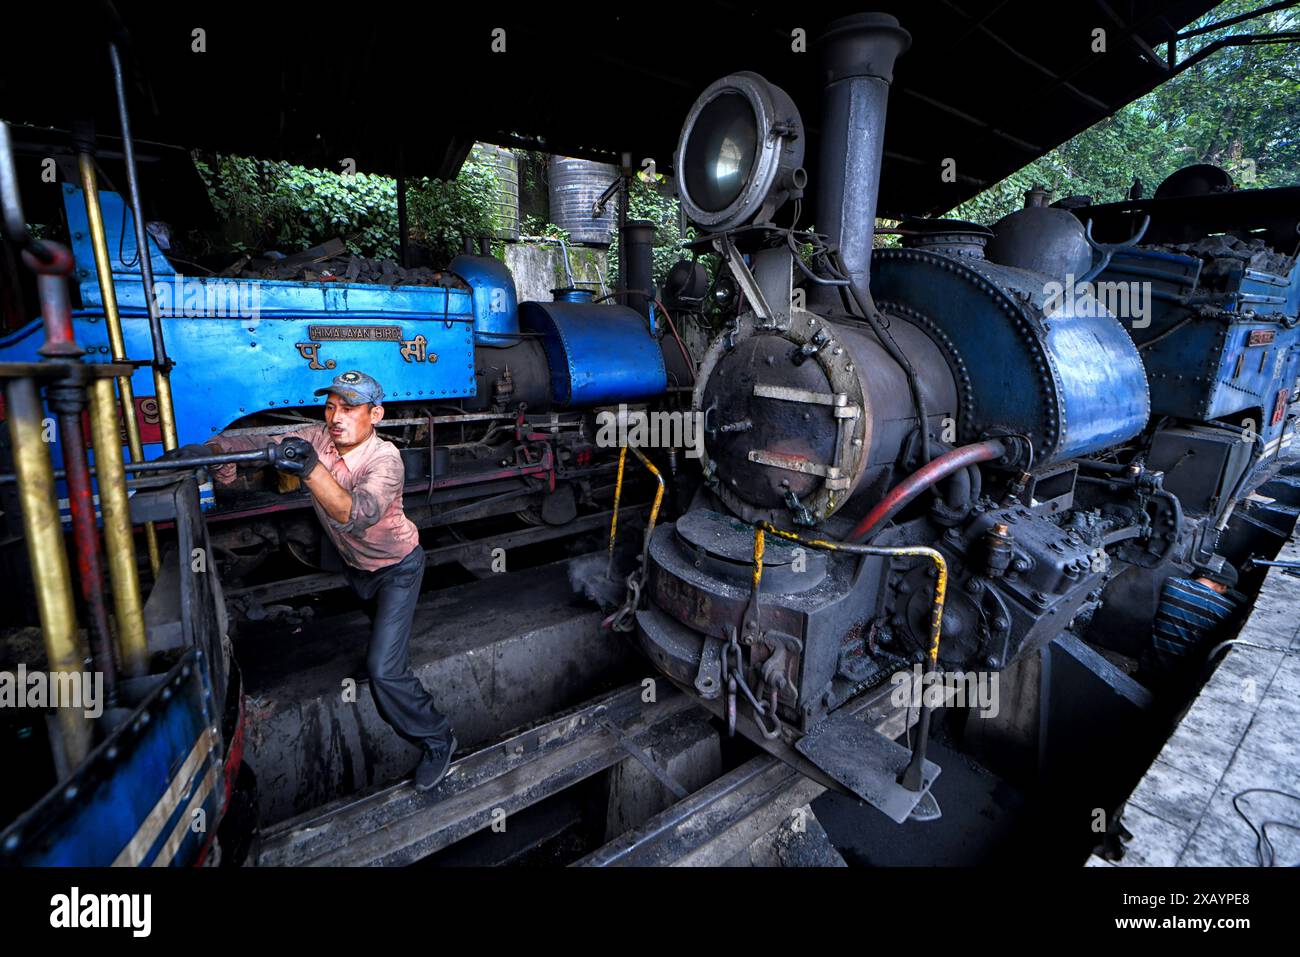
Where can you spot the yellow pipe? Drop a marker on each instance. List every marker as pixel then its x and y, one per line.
pixel 47 555
pixel 618 494
pixel 659 492
pixel 614 515
pixel 113 320
pixel 162 387
pixel 759 546
pixel 919 551
pixel 116 513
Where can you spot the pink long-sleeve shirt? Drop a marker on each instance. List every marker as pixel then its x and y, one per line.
pixel 377 533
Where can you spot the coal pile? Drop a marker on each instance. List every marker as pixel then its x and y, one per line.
pixel 1254 253
pixel 331 262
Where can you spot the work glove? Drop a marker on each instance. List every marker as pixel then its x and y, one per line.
pixel 294 457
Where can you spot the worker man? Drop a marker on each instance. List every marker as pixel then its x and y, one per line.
pixel 355 478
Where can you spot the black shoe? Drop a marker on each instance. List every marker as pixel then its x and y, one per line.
pixel 433 766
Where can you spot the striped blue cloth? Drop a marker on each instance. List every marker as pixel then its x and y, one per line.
pixel 1189 613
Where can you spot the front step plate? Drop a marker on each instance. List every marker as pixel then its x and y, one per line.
pixel 866 762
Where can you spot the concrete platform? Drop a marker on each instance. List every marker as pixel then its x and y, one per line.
pixel 496 654
pixel 1242 732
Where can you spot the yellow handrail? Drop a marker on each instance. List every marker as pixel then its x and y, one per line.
pixel 618 495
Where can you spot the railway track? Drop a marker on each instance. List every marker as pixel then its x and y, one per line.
pixel 755 811
pixel 398 825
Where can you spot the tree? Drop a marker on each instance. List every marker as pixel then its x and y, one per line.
pixel 267 204
pixel 1239 108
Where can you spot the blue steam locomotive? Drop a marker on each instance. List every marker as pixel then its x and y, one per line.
pixel 965 453
pixel 470 373
pixel 488 396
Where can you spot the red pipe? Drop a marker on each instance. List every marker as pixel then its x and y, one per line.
pixel 85 536
pixel 929 474
pixel 690 365
pixel 56 310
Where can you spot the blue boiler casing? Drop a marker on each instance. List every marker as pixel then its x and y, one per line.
pixel 597 354
pixel 1072 379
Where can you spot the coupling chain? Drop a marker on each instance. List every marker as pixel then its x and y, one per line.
pixel 734 677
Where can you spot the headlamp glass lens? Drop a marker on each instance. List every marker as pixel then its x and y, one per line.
pixel 721 151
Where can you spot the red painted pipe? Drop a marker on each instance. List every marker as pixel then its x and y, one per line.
pixel 932 472
pixel 56 309
pixel 85 536
pixel 54 259
pixel 53 267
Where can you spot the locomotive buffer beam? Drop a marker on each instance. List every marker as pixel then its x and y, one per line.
pixel 398 825
pixel 853 750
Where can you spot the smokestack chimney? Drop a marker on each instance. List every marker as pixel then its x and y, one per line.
pixel 858 55
pixel 636 247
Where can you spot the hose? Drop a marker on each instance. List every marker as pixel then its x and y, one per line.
pixel 924 477
pixel 690 365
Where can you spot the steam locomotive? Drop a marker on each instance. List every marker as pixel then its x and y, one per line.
pixel 955 451
pixel 489 399
pixel 488 395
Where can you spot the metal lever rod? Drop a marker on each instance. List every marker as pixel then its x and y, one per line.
pixel 227 458
pixel 744 278
pixel 174 465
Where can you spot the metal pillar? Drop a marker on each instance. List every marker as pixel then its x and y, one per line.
pixel 49 561
pixel 113 320
pixel 161 364
pixel 116 511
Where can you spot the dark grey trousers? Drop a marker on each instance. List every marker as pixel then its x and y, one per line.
pixel 391 594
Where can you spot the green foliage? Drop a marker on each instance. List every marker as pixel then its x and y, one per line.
pixel 538 226
pixel 444 213
pixel 645 201
pixel 267 204
pixel 1239 108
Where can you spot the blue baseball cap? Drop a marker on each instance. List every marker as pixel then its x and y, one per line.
pixel 355 388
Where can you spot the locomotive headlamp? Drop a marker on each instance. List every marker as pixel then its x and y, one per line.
pixel 740 154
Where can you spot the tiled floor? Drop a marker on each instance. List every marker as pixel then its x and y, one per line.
pixel 1242 732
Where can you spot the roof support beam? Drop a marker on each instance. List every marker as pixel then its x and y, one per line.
pixel 1087 98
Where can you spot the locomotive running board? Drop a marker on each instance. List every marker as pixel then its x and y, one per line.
pixel 866 762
